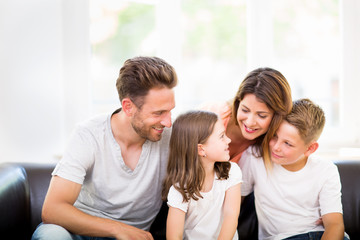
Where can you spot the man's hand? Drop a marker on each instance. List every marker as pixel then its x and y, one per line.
pixel 128 232
pixel 58 209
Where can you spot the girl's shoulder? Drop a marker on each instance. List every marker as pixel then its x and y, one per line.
pixel 234 167
pixel 234 170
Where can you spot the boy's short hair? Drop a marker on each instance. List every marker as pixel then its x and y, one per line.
pixel 308 118
pixel 140 74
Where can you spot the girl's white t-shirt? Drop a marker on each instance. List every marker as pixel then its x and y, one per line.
pixel 204 217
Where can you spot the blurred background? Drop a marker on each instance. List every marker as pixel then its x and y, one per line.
pixel 59 61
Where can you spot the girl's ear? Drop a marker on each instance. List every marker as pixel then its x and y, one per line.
pixel 312 148
pixel 201 150
pixel 128 106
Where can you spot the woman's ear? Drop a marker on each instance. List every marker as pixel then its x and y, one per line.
pixel 127 106
pixel 311 148
pixel 201 150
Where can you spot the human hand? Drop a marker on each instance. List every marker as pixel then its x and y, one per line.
pixel 319 221
pixel 127 232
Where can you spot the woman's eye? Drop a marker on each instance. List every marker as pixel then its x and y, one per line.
pixel 245 110
pixel 262 116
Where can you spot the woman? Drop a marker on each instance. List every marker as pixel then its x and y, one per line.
pixel 261 102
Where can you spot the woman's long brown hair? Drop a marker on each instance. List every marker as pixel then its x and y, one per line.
pixel 270 87
pixel 185 171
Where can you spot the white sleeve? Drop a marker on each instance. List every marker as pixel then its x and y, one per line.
pixel 176 200
pixel 235 175
pixel 245 164
pixel 78 156
pixel 330 194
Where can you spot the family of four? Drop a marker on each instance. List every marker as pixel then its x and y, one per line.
pixel 118 168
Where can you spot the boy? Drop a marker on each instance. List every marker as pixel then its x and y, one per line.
pixel 298 190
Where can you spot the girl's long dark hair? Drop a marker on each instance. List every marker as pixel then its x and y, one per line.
pixel 185 171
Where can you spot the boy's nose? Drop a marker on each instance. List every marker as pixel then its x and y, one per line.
pixel 277 146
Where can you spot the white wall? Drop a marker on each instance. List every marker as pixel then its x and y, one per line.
pixel 39 55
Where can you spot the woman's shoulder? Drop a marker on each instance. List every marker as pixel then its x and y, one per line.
pixel 223 109
pixel 216 107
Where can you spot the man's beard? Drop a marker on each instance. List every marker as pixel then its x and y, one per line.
pixel 143 133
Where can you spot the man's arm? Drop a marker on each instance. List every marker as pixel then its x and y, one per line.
pixel 334 226
pixel 175 224
pixel 58 209
pixel 231 212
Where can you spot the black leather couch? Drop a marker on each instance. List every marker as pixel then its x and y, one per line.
pixel 23 187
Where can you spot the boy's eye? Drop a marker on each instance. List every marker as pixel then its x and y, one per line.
pixel 289 144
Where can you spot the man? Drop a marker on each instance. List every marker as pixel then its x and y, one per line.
pixel 108 183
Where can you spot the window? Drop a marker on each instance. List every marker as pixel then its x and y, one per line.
pixel 213 59
pixel 214 44
pixel 307 50
pixel 119 30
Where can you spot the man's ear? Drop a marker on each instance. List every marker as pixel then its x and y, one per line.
pixel 311 148
pixel 128 107
pixel 201 150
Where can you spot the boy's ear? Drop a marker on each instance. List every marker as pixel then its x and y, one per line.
pixel 201 150
pixel 311 148
pixel 128 106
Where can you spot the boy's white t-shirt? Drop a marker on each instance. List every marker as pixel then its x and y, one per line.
pixel 289 203
pixel 204 217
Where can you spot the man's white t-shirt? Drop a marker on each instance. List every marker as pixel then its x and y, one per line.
pixel 289 203
pixel 204 217
pixel 109 188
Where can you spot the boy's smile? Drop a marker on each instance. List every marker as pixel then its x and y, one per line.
pixel 288 149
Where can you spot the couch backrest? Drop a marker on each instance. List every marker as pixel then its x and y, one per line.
pixel 350 180
pixel 14 204
pixel 23 187
pixel 38 178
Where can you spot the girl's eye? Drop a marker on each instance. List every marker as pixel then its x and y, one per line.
pixel 244 110
pixel 287 143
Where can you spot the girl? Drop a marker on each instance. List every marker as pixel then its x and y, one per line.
pixel 202 186
pixel 261 102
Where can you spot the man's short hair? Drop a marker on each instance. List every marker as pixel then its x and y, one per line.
pixel 140 74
